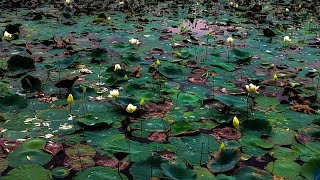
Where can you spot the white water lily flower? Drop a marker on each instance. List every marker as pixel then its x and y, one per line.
pixel 134 41
pixel 114 93
pixel 229 40
pixel 117 67
pixel 68 1
pixel 48 136
pixel 121 3
pixel 7 35
pixel 252 88
pixel 286 39
pixel 65 126
pixel 85 71
pixel 131 108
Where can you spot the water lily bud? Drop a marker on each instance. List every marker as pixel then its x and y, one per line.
pixel 84 89
pixel 28 35
pixel 142 102
pixel 134 41
pixel 252 88
pixel 230 3
pixel 117 67
pixel 28 158
pixel 158 62
pixel 286 39
pixel 70 99
pixel 235 122
pixel 229 40
pixel 222 147
pixel 131 108
pixel 109 18
pixel 114 93
pixel 275 77
pixel 237 5
pixel 68 40
pixel 7 35
pixel 125 77
pixel 68 2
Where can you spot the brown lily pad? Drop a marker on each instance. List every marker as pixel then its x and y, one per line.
pixel 158 136
pixel 228 133
pixel 53 148
pixel 9 145
pixel 79 163
pixel 80 150
pixel 112 162
pixel 302 138
pixel 170 156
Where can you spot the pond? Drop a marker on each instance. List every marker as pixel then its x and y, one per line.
pixel 144 89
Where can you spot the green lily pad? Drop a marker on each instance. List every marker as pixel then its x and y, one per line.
pixel 139 169
pixel 224 160
pixel 20 157
pixel 124 101
pixel 282 136
pixel 243 56
pixel 60 172
pixel 254 146
pixel 67 62
pixel 3 165
pixel 186 98
pixel 284 168
pixel 34 144
pixel 204 174
pixel 181 127
pixel 12 102
pixel 29 172
pixel 177 171
pixel 99 173
pixel 257 126
pixel 252 173
pixel 224 66
pixel 149 126
pixel 195 149
pixel 311 169
pixel 171 72
pixel 285 153
pixel 233 101
pixel 53 114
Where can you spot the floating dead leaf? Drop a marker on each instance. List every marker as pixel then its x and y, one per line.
pixel 9 145
pixel 197 80
pixel 302 138
pixel 79 163
pixel 85 71
pixel 284 74
pixel 137 72
pixel 53 148
pixel 112 162
pixel 159 110
pixel 302 108
pixel 158 136
pixel 170 156
pixel 228 133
